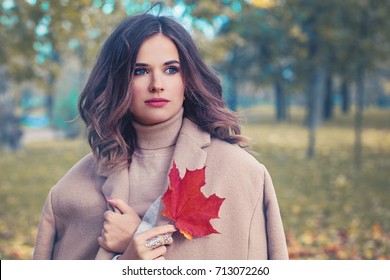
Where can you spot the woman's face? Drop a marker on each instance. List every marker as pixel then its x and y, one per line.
pixel 157 86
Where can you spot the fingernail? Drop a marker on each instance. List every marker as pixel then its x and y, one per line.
pixel 108 197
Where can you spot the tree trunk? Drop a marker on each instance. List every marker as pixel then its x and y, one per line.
pixel 345 97
pixel 10 129
pixel 328 100
pixel 360 76
pixel 50 97
pixel 231 98
pixel 315 96
pixel 280 102
pixel 359 116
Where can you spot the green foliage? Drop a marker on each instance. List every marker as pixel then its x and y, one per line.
pixel 329 210
pixel 66 115
pixel 35 38
pixel 271 42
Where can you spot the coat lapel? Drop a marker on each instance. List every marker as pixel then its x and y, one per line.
pixel 116 186
pixel 188 154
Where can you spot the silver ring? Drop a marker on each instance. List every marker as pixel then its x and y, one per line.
pixel 158 240
pixel 154 242
pixel 167 239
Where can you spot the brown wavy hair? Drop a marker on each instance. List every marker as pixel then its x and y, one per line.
pixel 105 101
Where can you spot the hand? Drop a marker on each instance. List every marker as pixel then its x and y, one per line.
pixel 141 246
pixel 119 226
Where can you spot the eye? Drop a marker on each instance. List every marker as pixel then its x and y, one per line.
pixel 140 71
pixel 171 70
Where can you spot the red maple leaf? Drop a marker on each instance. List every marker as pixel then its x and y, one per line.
pixel 187 206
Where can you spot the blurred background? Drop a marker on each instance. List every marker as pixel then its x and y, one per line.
pixel 310 77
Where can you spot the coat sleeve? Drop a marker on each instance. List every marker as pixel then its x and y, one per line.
pixel 46 233
pixel 267 210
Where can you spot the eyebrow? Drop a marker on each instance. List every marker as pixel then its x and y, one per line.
pixel 169 62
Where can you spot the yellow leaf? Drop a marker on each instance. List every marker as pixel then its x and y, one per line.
pixel 264 4
pixel 376 231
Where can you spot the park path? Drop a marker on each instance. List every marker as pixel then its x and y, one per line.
pixel 41 134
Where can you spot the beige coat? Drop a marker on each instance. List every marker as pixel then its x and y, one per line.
pixel 250 225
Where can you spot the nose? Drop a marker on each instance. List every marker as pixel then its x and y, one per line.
pixel 156 84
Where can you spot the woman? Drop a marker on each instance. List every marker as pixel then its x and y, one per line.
pixel 150 101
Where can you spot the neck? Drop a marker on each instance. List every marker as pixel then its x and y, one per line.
pixel 162 135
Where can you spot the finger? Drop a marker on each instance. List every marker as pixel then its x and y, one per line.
pixel 101 242
pixel 155 253
pixel 119 204
pixel 168 240
pixel 107 214
pixel 159 240
pixel 102 234
pixel 158 230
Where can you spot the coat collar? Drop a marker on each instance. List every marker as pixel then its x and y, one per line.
pixel 188 154
pixel 188 150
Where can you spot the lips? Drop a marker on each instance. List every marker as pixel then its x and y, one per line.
pixel 157 102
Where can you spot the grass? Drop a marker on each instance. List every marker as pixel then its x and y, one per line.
pixel 329 209
pixel 25 179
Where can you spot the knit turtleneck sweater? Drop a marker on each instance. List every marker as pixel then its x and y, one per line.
pixel 151 161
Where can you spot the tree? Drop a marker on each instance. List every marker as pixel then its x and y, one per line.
pixel 316 40
pixel 36 37
pixel 367 22
pixel 255 44
pixel 346 39
pixel 10 131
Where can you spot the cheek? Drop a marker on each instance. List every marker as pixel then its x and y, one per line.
pixel 137 91
pixel 136 88
pixel 179 88
pixel 135 98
